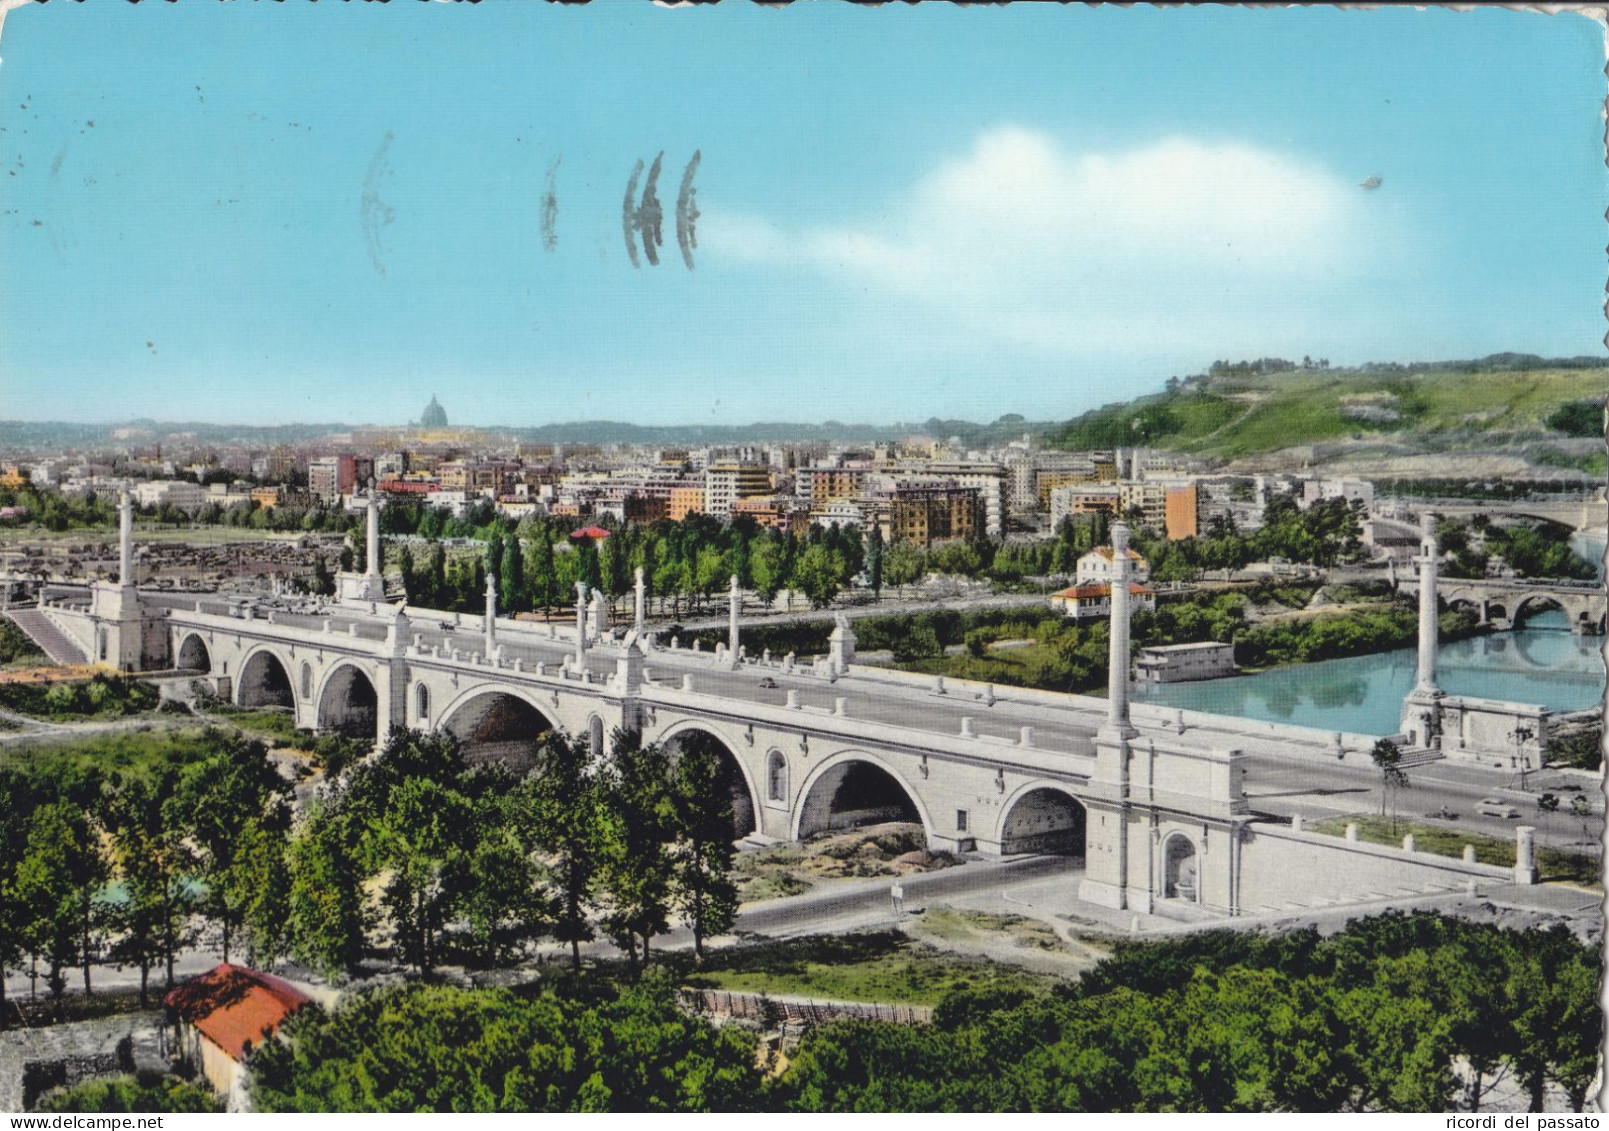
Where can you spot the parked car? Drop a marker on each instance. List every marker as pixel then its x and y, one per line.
pixel 1495 807
pixel 768 682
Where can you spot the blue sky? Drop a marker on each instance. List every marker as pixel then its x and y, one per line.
pixel 296 211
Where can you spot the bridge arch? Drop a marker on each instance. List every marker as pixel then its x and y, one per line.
pixel 853 788
pixel 734 775
pixel 492 724
pixel 348 702
pixel 264 680
pixel 193 654
pixel 1043 817
pixel 1534 603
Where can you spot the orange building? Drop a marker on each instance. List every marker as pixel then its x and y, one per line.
pixel 685 501
pixel 1179 512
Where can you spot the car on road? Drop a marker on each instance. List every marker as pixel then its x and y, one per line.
pixel 1495 807
pixel 768 682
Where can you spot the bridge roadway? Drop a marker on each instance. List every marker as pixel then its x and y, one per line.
pixel 1284 776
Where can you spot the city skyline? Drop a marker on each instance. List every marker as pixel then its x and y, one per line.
pixel 272 234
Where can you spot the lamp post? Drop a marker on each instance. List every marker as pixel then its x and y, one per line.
pixel 1522 759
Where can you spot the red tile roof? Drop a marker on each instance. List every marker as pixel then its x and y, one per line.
pixel 1093 589
pixel 233 1006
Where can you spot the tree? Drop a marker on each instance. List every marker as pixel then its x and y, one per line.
pixel 904 565
pixel 567 812
pixel 215 799
pixel 702 860
pixel 768 568
pixel 420 1047
pixel 328 918
pixel 874 561
pixel 544 581
pixel 155 861
pixel 818 574
pixel 1387 756
pixel 58 882
pixel 639 823
pixel 257 890
pixel 511 577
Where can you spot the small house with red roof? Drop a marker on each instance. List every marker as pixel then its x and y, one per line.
pixel 220 1016
pixel 1093 600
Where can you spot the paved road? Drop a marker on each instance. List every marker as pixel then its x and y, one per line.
pixel 855 903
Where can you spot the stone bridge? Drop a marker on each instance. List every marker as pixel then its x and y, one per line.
pixel 1156 810
pixel 827 746
pixel 1507 603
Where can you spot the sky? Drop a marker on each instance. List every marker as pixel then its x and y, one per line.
pixel 254 212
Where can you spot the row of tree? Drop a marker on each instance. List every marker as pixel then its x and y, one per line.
pixel 113 865
pixel 1395 1013
pixel 414 853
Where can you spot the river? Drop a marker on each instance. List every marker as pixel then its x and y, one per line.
pixel 1540 663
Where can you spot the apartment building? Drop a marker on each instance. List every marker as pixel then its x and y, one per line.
pixel 685 499
pixel 728 481
pixel 923 514
pixel 333 476
pixel 987 479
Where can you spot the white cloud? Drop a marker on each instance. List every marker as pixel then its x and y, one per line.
pixel 1178 243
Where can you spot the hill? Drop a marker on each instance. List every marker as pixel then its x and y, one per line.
pixel 1548 412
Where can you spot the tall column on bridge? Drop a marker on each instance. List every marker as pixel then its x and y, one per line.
pixel 1115 831
pixel 733 604
pixel 1422 706
pixel 640 605
pixel 372 559
pixel 1117 678
pixel 491 615
pixel 1429 639
pixel 581 625
pixel 125 539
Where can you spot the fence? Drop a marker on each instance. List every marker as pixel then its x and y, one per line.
pixel 785 1011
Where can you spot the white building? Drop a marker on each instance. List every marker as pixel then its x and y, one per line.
pixel 1178 663
pixel 1098 567
pixel 180 493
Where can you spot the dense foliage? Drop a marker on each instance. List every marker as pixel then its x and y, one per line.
pixel 117 847
pixel 143 1092
pixel 437 1048
pixel 1377 1018
pixel 101 694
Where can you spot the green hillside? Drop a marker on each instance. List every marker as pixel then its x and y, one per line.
pixel 1235 411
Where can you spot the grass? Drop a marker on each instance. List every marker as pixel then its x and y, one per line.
pixel 258 722
pixel 1554 863
pixel 1444 407
pixel 135 752
pixel 880 966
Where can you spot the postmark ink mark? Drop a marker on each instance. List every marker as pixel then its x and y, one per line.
pixel 375 212
pixel 687 212
pixel 550 208
pixel 647 218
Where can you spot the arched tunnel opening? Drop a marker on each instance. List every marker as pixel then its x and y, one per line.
pixel 499 729
pixel 349 706
pixel 193 656
pixel 1044 822
pixel 729 780
pixel 853 794
pixel 264 682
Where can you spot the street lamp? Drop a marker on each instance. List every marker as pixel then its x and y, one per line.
pixel 1522 759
